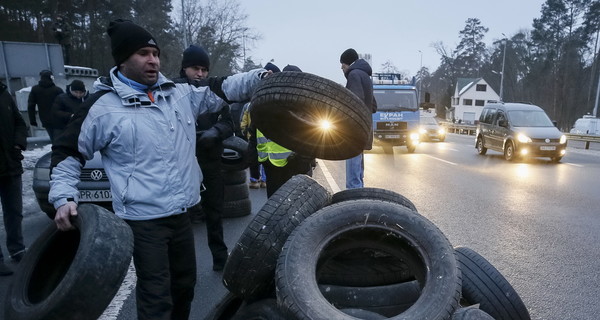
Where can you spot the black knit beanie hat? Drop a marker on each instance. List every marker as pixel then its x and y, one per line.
pixel 349 56
pixel 77 85
pixel 195 56
pixel 271 67
pixel 291 67
pixel 126 38
pixel 46 74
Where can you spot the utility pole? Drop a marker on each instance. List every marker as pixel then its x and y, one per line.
pixel 597 95
pixel 420 78
pixel 502 72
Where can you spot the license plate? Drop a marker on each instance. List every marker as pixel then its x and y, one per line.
pixel 548 148
pixel 95 195
pixel 392 136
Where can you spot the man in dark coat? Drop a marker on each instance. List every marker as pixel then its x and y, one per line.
pixel 212 129
pixel 66 104
pixel 13 139
pixel 358 74
pixel 43 95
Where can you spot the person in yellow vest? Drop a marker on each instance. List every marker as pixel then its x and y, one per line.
pixel 280 163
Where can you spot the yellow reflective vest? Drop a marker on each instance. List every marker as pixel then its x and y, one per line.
pixel 270 150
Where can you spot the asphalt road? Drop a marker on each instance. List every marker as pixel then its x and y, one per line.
pixel 535 221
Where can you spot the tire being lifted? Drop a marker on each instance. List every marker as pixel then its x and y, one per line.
pixel 72 274
pixel 289 107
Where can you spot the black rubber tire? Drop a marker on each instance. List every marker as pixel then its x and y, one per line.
pixel 235 177
pixel 297 289
pixel 471 313
pixel 387 300
pixel 264 309
pixel 72 274
pixel 236 192
pixel 509 151
pixel 250 268
pixel 362 314
pixel 235 154
pixel 288 108
pixel 238 208
pixel 483 284
pixel 480 146
pixel 226 308
pixel 374 194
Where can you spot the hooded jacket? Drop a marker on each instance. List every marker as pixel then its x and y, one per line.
pixel 13 132
pixel 359 81
pixel 64 106
pixel 43 95
pixel 147 148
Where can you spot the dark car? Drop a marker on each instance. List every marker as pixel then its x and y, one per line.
pixel 519 130
pixel 93 188
pixel 430 129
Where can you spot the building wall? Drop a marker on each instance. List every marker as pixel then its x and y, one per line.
pixel 469 114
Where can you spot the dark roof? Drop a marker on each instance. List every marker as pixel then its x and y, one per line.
pixel 461 83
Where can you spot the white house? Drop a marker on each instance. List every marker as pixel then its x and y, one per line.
pixel 470 95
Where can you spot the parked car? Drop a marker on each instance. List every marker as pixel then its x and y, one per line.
pixel 93 188
pixel 430 129
pixel 519 130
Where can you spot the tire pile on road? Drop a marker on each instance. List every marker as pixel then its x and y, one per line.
pixel 357 254
pixel 236 201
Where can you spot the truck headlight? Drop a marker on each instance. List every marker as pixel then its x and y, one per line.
pixel 563 139
pixel 523 138
pixel 422 131
pixel 414 136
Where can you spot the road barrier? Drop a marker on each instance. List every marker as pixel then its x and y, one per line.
pixel 583 137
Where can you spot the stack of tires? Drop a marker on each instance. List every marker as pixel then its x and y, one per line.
pixel 236 201
pixel 360 253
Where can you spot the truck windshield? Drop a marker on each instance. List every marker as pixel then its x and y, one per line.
pixel 528 118
pixel 395 100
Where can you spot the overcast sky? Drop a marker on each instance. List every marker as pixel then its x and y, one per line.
pixel 313 33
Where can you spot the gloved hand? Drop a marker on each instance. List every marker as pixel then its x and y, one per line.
pixel 207 138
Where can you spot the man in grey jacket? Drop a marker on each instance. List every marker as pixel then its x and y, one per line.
pixel 144 127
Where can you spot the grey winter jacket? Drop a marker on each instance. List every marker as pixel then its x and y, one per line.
pixel 147 148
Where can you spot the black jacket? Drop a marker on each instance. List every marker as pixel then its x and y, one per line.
pixel 360 83
pixel 13 132
pixel 43 95
pixel 65 105
pixel 220 121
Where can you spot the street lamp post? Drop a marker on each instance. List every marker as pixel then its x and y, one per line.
pixel 502 72
pixel 185 41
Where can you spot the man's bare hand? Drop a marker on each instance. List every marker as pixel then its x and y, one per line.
pixel 64 214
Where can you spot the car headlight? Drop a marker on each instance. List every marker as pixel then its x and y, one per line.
pixel 422 131
pixel 563 139
pixel 442 131
pixel 523 138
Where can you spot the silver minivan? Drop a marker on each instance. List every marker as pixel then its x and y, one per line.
pixel 519 130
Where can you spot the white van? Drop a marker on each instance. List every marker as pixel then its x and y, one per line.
pixel 587 125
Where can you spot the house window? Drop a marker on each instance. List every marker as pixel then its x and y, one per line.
pixel 479 103
pixel 481 87
pixel 467 102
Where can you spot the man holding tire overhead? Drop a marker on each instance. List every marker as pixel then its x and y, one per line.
pixel 211 130
pixel 144 127
pixel 280 163
pixel 358 75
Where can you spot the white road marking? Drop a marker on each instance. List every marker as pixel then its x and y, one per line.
pixel 574 164
pixel 442 160
pixel 115 306
pixel 332 184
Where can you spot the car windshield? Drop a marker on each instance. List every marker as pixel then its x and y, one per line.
pixel 395 100
pixel 428 121
pixel 529 118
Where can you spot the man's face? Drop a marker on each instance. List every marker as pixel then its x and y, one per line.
pixel 78 93
pixel 196 72
pixel 345 67
pixel 142 66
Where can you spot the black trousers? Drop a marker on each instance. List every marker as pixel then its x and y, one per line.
pixel 212 206
pixel 12 207
pixel 277 176
pixel 165 262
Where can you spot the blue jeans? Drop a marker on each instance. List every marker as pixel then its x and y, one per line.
pixel 11 191
pixel 355 168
